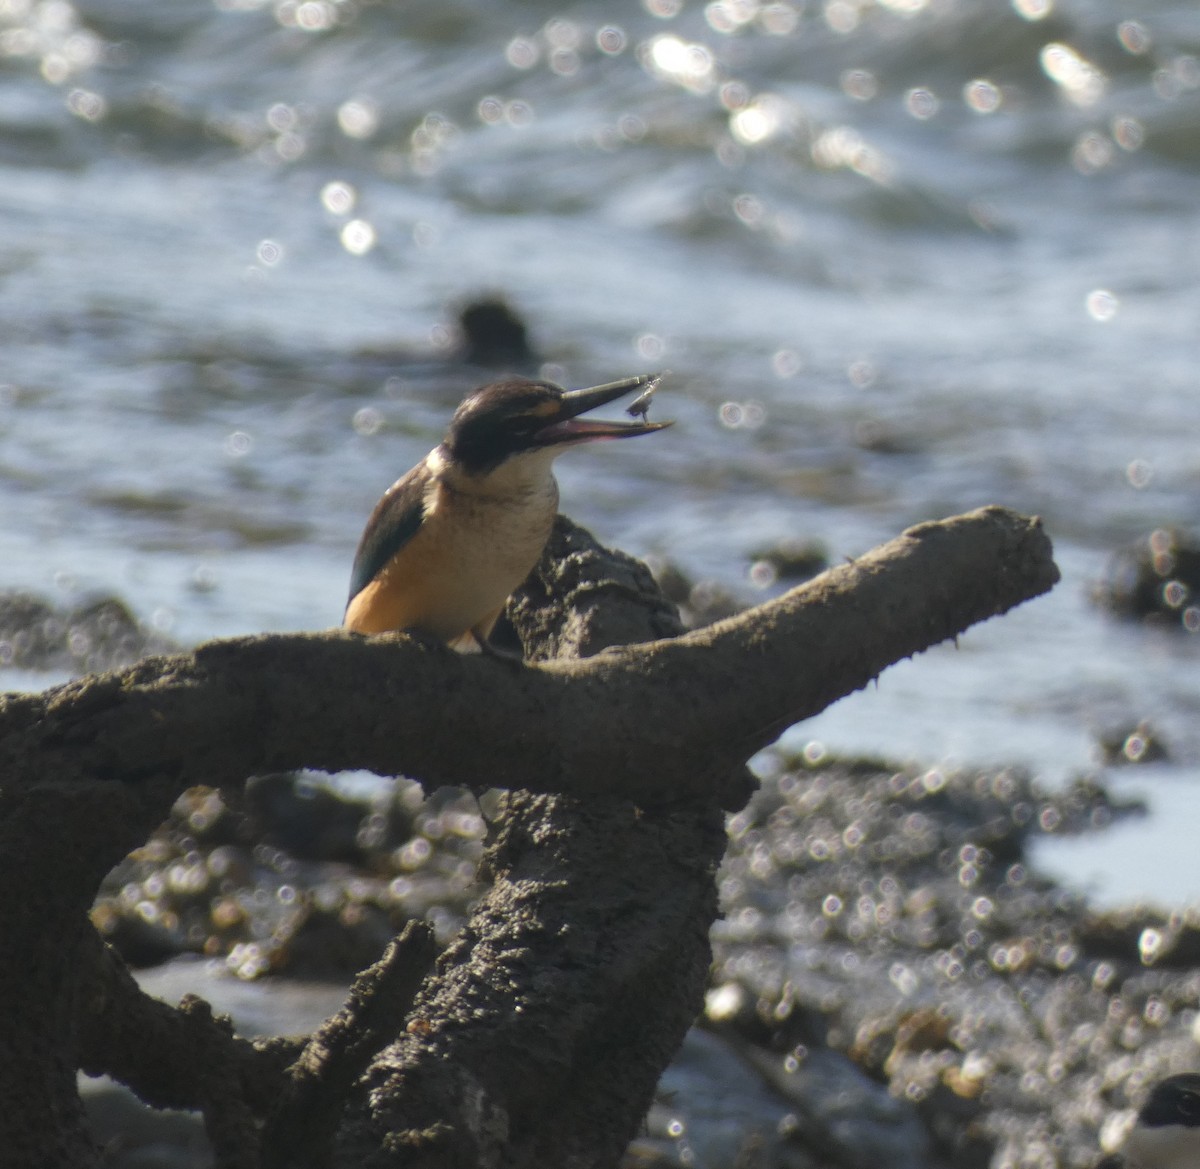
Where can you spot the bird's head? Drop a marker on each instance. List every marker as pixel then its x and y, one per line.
pixel 1167 1132
pixel 518 416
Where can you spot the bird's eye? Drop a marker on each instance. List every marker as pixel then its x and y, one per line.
pixel 1189 1104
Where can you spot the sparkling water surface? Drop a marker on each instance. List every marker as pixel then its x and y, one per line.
pixel 903 259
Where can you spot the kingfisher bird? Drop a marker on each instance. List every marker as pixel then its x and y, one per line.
pixel 450 541
pixel 1166 1134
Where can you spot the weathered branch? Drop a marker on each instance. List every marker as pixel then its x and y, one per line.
pixel 540 1038
pixel 553 1014
pixel 178 1058
pixel 655 722
pixel 302 1128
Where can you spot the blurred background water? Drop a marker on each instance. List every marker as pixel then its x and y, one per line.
pixel 903 257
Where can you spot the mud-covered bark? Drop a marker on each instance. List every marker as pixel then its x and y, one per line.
pixel 542 1032
pixel 654 723
pixel 305 1119
pixel 553 1014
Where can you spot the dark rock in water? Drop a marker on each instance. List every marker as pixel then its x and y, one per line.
pixel 882 438
pixel 700 603
pixel 311 821
pixel 308 881
pixel 842 1113
pixel 1137 744
pixel 493 335
pixel 674 582
pixel 1156 579
pixel 97 634
pixel 901 906
pixel 142 941
pixel 721 1103
pixel 791 560
pixel 1144 935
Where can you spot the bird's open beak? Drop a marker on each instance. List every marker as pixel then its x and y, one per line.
pixel 568 427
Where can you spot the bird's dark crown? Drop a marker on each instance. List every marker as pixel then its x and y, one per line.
pixel 1175 1100
pixel 501 420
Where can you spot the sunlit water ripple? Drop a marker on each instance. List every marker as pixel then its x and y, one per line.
pixel 904 258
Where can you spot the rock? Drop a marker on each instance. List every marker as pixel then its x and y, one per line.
pixel 1157 579
pixel 97 634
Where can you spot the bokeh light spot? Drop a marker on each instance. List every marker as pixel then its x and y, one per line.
pixel 1186 70
pixel 518 113
pixel 687 64
pixel 748 415
pixel 1081 82
pixel 85 104
pixel 315 16
pixel 239 444
pixel 860 84
pixel 758 121
pixel 729 15
pixel 841 16
pixel 734 95
pixel 763 574
pixel 269 253
pixel 290 146
pixel 1092 152
pixel 521 53
pixel 730 415
pixel 1134 37
pixel 632 128
pixel 358 118
pixel 358 237
pixel 1033 9
pixel 786 363
pixel 649 345
pixel 862 373
pixel 564 62
pixel 281 117
pixel 1102 305
pixel 779 20
pixel 367 421
pixel 611 40
pixel 1128 133
pixel 749 209
pixel 563 34
pixel 843 146
pixel 982 96
pixel 1174 594
pixel 1139 473
pixel 338 198
pixel 490 110
pixel 922 104
pixel 1150 945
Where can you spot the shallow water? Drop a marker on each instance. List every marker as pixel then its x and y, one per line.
pixel 902 258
